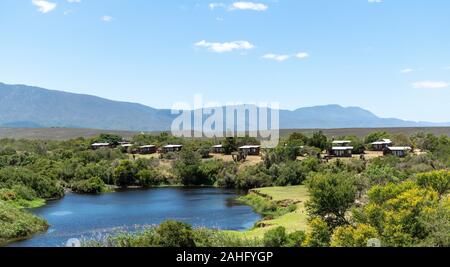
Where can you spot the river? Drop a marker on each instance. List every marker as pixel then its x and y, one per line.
pixel 89 216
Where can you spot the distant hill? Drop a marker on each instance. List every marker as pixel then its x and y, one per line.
pixel 32 107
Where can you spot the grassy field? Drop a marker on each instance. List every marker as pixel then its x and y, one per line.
pixel 70 133
pixel 282 196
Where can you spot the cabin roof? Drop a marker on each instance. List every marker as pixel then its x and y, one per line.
pixel 342 148
pixel 147 146
pixel 172 146
pixel 341 142
pixel 249 147
pixel 218 146
pixel 126 145
pixel 399 148
pixel 100 144
pixel 383 142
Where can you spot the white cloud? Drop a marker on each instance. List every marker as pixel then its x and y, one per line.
pixel 430 85
pixel 280 58
pixel 405 71
pixel 277 57
pixel 107 18
pixel 213 6
pixel 225 47
pixel 375 1
pixel 302 55
pixel 44 6
pixel 239 6
pixel 248 6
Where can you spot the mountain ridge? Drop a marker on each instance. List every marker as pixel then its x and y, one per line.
pixel 34 107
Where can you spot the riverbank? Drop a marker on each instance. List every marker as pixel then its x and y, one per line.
pixel 17 224
pixel 277 200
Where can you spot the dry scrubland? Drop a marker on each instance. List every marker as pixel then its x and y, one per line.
pixel 70 133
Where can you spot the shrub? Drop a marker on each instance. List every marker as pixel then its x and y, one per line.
pixel 93 185
pixel 175 234
pixel 149 177
pixel 350 236
pixel 275 237
pixel 296 239
pixel 437 180
pixel 319 234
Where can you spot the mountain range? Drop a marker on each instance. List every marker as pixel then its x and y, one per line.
pixel 24 106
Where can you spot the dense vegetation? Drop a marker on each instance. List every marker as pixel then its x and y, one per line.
pixel 16 224
pixel 400 201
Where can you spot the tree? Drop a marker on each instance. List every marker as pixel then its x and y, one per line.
pixel 109 138
pixel 148 177
pixel 319 140
pixel 376 136
pixel 229 145
pixel 175 234
pixel 124 174
pixel 187 168
pixel 331 197
pixel 319 234
pixel 297 140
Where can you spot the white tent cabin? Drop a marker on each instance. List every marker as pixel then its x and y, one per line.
pixel 250 150
pixel 381 145
pixel 399 151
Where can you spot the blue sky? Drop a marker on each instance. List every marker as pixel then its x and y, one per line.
pixel 389 56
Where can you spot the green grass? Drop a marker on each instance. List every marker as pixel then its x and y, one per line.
pixel 28 204
pixel 282 197
pixel 18 224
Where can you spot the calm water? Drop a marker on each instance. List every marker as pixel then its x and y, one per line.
pixel 81 216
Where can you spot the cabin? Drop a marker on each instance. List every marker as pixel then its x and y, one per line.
pixel 217 149
pixel 341 151
pixel 250 150
pixel 171 148
pixel 96 146
pixel 399 151
pixel 148 149
pixel 381 145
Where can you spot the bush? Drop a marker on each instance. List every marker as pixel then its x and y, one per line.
pixel 350 236
pixel 210 169
pixel 275 238
pixel 125 173
pixel 44 187
pixel 437 180
pixel 319 234
pixel 296 239
pixel 187 168
pixel 175 234
pixel 149 177
pixel 93 185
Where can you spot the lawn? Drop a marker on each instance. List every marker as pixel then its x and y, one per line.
pixel 293 221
